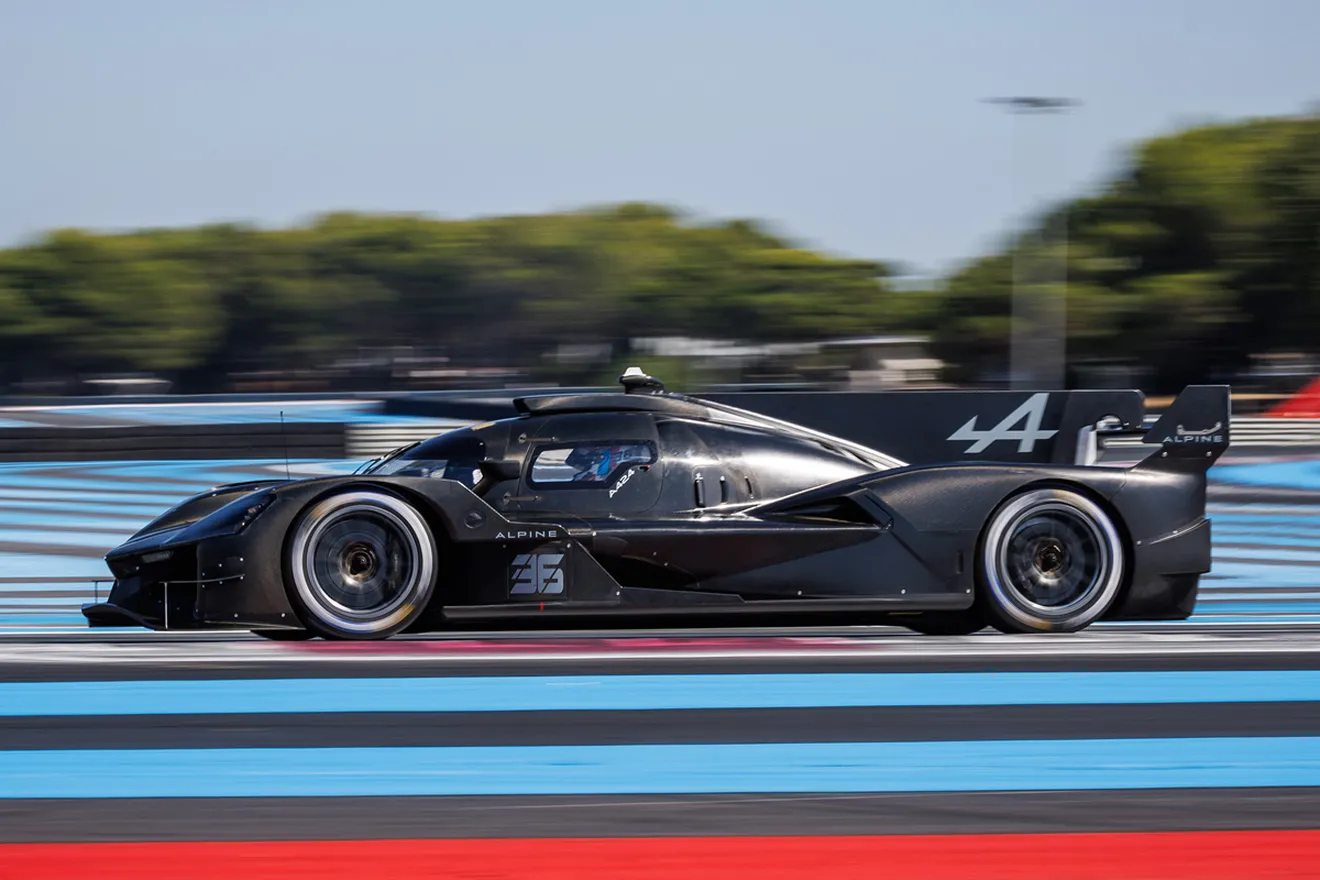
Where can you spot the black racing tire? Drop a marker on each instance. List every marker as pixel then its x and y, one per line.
pixel 1051 560
pixel 360 565
pixel 284 635
pixel 946 623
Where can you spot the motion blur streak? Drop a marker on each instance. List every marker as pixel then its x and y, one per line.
pixel 1167 856
pixel 618 692
pixel 1004 765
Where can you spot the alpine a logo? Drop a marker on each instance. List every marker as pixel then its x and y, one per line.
pixel 1032 411
pixel 526 535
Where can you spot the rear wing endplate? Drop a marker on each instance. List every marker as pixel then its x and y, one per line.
pixel 1194 431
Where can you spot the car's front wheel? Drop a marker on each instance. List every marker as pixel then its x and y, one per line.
pixel 362 565
pixel 1051 560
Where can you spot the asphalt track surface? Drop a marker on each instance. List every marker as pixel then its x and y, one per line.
pixel 1137 752
pixel 1100 732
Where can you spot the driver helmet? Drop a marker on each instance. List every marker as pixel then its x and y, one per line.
pixel 589 463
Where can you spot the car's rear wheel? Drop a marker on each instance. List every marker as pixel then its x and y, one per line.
pixel 1051 560
pixel 362 565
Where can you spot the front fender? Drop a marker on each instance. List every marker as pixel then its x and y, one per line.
pixel 201 505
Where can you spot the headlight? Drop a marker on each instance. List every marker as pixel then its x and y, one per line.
pixel 236 516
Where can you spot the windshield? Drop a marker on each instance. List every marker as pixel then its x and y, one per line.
pixel 371 466
pixel 455 456
pixel 465 472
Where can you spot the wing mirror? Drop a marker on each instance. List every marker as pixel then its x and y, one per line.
pixel 500 470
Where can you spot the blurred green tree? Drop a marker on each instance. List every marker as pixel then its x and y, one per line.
pixel 1200 253
pixel 1203 250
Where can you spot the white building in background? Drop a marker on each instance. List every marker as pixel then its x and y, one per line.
pixel 862 363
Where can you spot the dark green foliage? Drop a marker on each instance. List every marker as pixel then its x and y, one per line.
pixel 203 303
pixel 1206 250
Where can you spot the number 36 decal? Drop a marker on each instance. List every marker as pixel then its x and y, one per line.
pixel 537 574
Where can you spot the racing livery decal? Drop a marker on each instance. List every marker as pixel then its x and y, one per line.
pixel 537 574
pixel 1032 411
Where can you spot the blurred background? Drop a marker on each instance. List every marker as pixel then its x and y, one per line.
pixel 329 196
pixel 245 239
pixel 245 231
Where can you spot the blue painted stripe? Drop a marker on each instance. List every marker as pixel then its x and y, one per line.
pixel 1052 765
pixel 100 541
pixel 1266 621
pixel 1213 595
pixel 158 466
pixel 17 604
pixel 28 614
pixel 1252 534
pixel 1261 605
pixel 143 510
pixel 1266 541
pixel 74 520
pixel 640 692
pixel 1309 524
pixel 73 588
pixel 19 496
pixel 1216 619
pixel 185 473
pixel 1246 534
pixel 1267 575
pixel 1281 554
pixel 174 466
pixel 1293 474
pixel 26 565
pixel 78 481
pixel 226 469
pixel 1294 519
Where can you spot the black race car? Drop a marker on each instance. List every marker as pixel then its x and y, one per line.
pixel 646 504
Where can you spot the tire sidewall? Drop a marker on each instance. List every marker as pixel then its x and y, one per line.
pixel 320 619
pixel 1004 605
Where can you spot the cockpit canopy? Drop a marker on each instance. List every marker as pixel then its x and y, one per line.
pixel 454 456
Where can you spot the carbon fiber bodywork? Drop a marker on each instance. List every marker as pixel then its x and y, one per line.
pixel 737 514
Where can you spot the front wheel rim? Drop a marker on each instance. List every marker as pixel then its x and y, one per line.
pixel 361 562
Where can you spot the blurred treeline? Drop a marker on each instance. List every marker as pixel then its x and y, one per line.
pixel 203 303
pixel 1204 250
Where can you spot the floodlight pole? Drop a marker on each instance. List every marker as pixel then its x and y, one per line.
pixel 1038 350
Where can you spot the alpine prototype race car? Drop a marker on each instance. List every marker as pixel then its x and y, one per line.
pixel 645 504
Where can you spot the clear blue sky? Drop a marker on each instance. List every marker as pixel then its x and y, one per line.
pixel 852 125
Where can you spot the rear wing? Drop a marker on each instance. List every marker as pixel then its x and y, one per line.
pixel 1193 432
pixel 1056 427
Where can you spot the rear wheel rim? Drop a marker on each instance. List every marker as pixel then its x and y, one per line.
pixel 1053 560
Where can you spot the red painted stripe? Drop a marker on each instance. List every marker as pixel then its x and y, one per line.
pixel 1260 855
